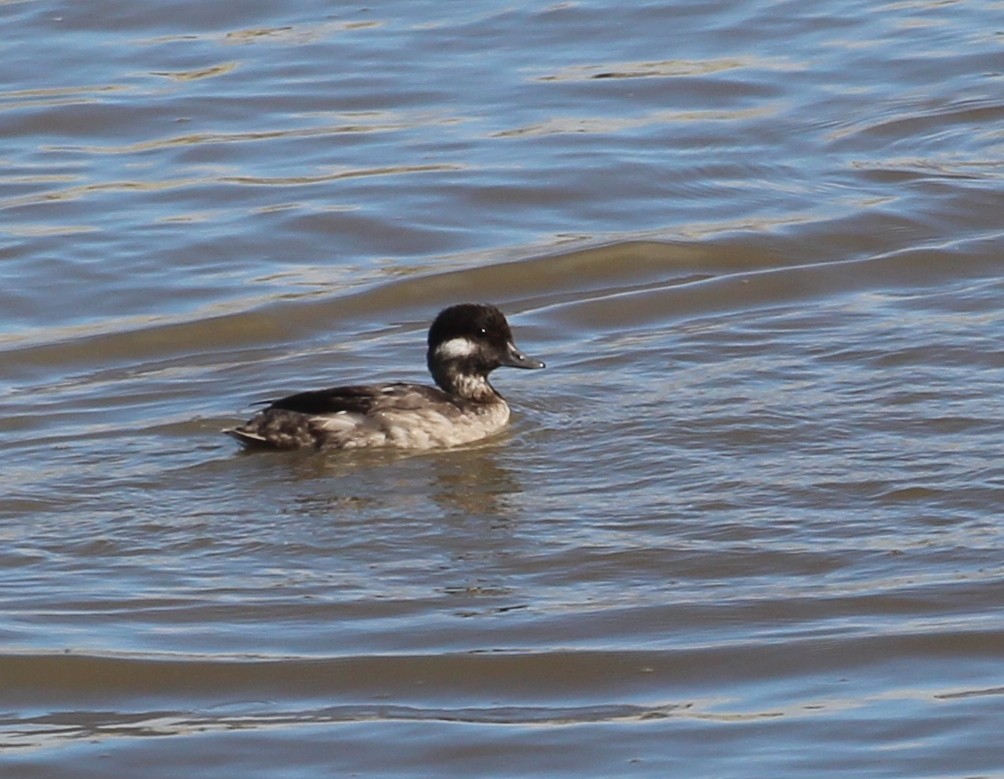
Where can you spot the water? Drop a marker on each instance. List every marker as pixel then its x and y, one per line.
pixel 745 524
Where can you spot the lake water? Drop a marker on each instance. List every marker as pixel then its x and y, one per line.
pixel 746 524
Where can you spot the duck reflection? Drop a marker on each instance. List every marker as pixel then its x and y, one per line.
pixel 464 483
pixel 475 483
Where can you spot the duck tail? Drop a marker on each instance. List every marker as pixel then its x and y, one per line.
pixel 247 438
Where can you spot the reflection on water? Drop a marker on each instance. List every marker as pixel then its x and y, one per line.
pixel 468 482
pixel 472 483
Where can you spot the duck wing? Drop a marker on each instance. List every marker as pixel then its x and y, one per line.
pixel 360 399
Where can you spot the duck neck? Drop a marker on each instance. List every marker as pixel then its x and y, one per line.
pixel 465 385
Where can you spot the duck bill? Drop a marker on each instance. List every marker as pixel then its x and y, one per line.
pixel 514 358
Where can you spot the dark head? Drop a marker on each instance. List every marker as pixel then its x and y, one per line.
pixel 469 341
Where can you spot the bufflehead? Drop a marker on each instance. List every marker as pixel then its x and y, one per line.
pixel 466 343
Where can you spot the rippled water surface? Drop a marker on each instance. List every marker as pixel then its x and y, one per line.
pixel 746 524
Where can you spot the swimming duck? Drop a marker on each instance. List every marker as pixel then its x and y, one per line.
pixel 466 343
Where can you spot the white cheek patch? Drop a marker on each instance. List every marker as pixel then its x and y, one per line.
pixel 456 348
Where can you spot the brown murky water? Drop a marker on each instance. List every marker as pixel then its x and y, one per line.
pixel 745 524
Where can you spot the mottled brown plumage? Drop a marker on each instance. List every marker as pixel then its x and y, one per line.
pixel 466 343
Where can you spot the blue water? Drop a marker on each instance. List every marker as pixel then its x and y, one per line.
pixel 746 523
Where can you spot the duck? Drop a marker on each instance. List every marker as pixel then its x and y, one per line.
pixel 466 343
